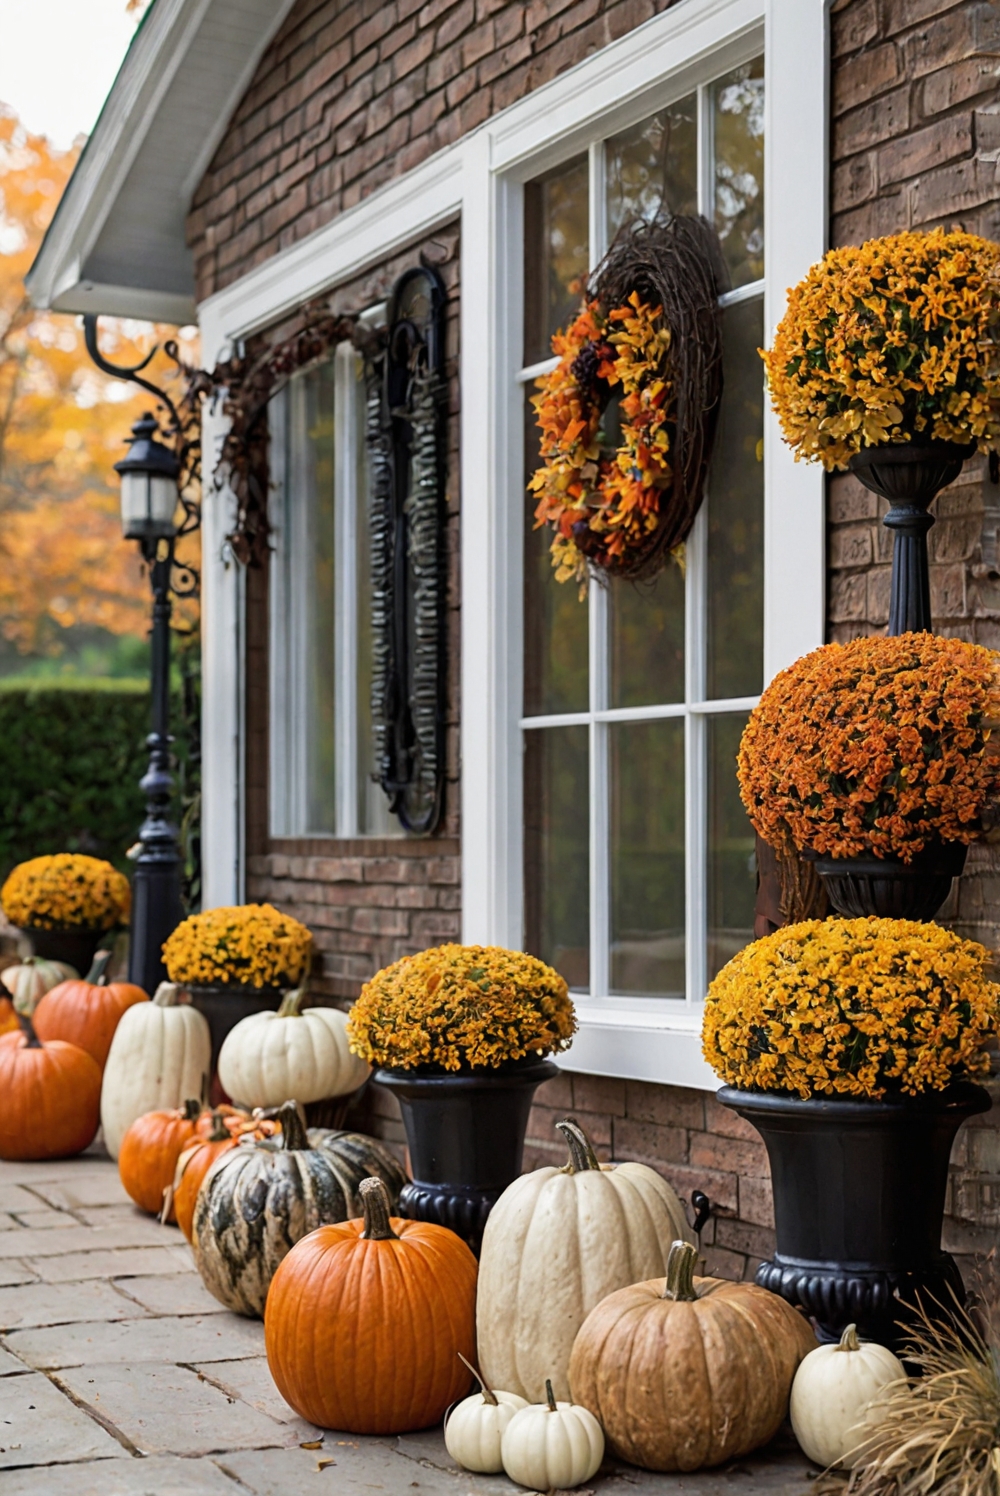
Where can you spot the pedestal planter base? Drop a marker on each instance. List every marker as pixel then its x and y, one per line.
pixel 859 886
pixel 858 1204
pixel 466 1138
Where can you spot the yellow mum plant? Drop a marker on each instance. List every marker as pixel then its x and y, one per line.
pixel 66 892
pixel 461 1005
pixel 251 945
pixel 852 1007
pixel 889 343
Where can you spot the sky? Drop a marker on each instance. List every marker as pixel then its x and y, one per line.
pixel 58 59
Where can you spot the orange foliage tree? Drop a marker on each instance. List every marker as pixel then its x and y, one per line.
pixel 63 424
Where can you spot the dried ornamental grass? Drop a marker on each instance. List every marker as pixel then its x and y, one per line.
pixel 877 746
pixel 249 945
pixel 66 891
pixel 889 342
pixel 852 1007
pixel 461 1005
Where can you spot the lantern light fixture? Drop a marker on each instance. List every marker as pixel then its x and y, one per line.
pixel 149 472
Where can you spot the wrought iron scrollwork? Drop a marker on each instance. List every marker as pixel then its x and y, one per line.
pixel 405 404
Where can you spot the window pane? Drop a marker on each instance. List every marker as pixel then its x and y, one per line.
pixel 647 640
pixel 556 236
pixel 732 867
pixel 557 850
pixel 555 619
pixel 738 138
pixel 652 165
pixel 736 514
pixel 312 521
pixel 647 858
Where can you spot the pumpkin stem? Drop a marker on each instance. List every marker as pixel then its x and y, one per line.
pixel 581 1154
pixel 97 975
pixel 192 1110
pixel 550 1396
pixel 487 1391
pixel 291 1003
pixel 849 1340
pixel 167 995
pixel 293 1127
pixel 220 1132
pixel 680 1273
pixel 32 1040
pixel 375 1207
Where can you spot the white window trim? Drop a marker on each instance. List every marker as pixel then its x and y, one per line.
pixel 480 178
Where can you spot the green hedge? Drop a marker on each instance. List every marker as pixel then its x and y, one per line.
pixel 71 756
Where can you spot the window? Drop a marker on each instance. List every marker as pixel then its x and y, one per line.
pixel 321 743
pixel 638 856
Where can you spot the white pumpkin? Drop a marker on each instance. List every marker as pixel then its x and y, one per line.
pixel 833 1389
pixel 557 1242
pixel 552 1446
pixel 29 981
pixel 270 1056
pixel 474 1427
pixel 160 1055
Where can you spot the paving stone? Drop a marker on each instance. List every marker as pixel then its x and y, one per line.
pixel 104 1188
pixel 16 1197
pixel 180 1293
pixel 53 1171
pixel 62 1304
pixel 111 1215
pixel 363 1466
pixel 12 1271
pixel 39 1425
pixel 44 1218
pixel 11 1366
pixel 126 1262
pixel 250 1379
pixel 212 1338
pixel 8 1223
pixel 159 1475
pixel 140 1231
pixel 171 1410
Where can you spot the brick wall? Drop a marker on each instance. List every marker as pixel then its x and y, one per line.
pixel 352 93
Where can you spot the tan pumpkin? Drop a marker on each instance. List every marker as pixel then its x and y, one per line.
pixel 30 979
pixel 556 1243
pixel 685 1372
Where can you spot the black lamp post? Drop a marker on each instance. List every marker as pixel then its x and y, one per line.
pixel 149 500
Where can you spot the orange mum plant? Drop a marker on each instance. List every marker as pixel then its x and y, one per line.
pixel 890 342
pixel 878 746
pixel 852 1007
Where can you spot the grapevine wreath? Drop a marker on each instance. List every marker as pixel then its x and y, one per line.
pixel 628 415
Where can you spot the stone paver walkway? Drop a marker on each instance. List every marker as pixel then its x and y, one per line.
pixel 121 1376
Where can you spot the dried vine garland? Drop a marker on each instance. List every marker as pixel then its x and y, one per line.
pixel 628 416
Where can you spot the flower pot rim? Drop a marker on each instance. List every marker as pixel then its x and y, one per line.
pixel 527 1069
pixel 234 989
pixel 962 1095
pixel 936 859
pixel 87 930
pixel 914 451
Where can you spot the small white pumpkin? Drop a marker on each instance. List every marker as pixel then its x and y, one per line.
pixel 552 1445
pixel 29 981
pixel 160 1055
pixel 557 1242
pixel 474 1427
pixel 833 1389
pixel 270 1056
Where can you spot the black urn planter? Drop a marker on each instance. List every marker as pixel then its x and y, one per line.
pixel 75 948
pixel 909 475
pixel 465 1132
pixel 859 1192
pixel 857 886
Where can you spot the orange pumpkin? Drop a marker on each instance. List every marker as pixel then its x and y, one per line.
pixel 51 1097
pixel 86 1011
pixel 365 1321
pixel 147 1159
pixel 8 1018
pixel 194 1163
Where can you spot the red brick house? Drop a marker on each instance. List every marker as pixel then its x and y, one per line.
pixel 257 158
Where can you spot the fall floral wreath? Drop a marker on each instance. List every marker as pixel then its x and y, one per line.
pixel 628 414
pixel 852 1007
pixel 877 746
pixel 889 342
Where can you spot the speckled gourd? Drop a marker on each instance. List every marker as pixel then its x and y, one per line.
pixel 556 1243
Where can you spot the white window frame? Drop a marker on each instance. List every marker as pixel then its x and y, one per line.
pixel 481 179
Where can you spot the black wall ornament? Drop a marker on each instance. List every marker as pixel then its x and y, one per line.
pixel 404 435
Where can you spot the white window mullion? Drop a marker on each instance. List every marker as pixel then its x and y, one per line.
pixel 695 760
pixel 346 499
pixel 706 154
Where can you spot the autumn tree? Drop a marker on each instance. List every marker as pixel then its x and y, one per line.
pixel 63 562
